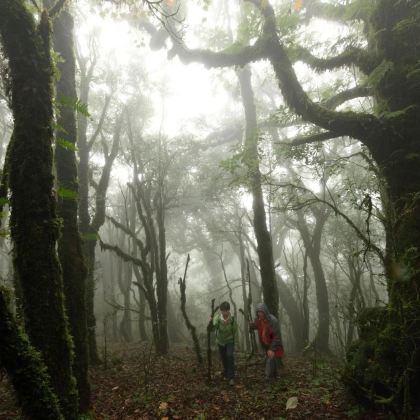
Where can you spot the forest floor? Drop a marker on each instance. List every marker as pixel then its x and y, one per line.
pixel 135 384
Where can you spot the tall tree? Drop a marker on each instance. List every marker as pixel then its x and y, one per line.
pixel 69 243
pixel 264 244
pixel 34 224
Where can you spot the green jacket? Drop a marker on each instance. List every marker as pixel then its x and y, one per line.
pixel 226 332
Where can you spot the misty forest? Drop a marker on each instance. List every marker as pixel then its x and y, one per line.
pixel 210 209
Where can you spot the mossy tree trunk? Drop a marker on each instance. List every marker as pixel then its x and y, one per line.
pixel 34 224
pixel 26 369
pixel 69 244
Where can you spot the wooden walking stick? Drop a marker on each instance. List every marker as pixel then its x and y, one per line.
pixel 209 330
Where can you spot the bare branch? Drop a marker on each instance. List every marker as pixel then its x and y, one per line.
pixel 316 199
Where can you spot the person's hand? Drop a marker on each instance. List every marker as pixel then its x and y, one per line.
pixel 270 354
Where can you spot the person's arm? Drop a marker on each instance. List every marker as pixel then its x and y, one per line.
pixel 277 342
pixel 215 323
pixel 253 325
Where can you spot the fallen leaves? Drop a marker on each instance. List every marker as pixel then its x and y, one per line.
pixel 291 403
pixel 169 391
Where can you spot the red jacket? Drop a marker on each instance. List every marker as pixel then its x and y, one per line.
pixel 267 337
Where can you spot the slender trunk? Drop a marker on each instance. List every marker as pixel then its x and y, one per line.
pixel 142 300
pixel 295 315
pixel 244 293
pixel 89 246
pixel 305 303
pixel 162 280
pixel 264 245
pixel 313 248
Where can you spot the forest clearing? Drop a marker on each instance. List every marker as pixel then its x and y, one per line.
pixel 185 183
pixel 137 385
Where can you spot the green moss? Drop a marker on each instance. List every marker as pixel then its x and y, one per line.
pixel 25 369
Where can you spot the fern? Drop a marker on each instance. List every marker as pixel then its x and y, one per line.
pixel 67 194
pixel 74 103
pixel 68 145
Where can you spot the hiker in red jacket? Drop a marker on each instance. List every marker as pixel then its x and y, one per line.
pixel 270 338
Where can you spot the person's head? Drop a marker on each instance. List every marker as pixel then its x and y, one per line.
pixel 261 315
pixel 225 309
pixel 262 311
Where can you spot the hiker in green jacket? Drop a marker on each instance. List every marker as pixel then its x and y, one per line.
pixel 226 332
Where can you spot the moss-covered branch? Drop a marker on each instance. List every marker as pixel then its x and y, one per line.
pixel 123 255
pixel 128 232
pixel 312 138
pixel 357 125
pixel 357 10
pixel 347 95
pixel 351 56
pixel 236 55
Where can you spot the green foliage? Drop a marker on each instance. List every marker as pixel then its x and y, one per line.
pixel 58 128
pixel 65 144
pixel 233 163
pixel 90 236
pixel 287 24
pixel 380 71
pixel 358 8
pixel 75 104
pixel 67 194
pixel 381 365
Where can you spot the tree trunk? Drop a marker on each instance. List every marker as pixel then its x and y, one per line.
pixel 244 276
pixel 162 275
pixel 69 243
pixel 313 248
pixel 26 369
pixel 89 245
pixel 264 246
pixel 34 224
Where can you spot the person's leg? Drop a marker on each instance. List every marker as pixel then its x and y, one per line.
pixel 270 368
pixel 223 358
pixel 230 361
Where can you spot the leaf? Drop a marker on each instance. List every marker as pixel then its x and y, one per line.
pixel 291 403
pixel 4 233
pixel 163 406
pixel 297 5
pixel 69 194
pixel 75 104
pixel 3 201
pixel 68 145
pixel 59 128
pixel 91 236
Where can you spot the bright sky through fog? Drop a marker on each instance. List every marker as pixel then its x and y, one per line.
pixel 183 93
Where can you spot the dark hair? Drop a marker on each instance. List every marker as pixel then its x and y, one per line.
pixel 224 306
